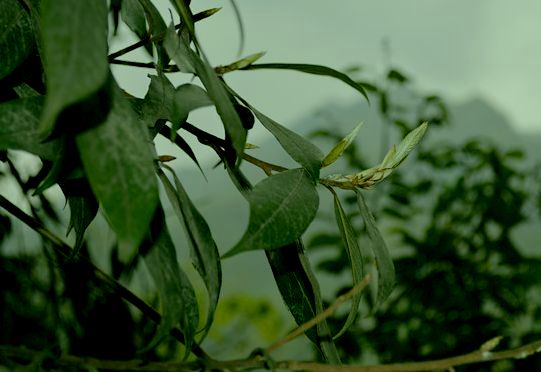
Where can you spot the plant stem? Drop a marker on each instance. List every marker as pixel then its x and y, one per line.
pixel 64 250
pixel 197 17
pixel 321 316
pixel 259 362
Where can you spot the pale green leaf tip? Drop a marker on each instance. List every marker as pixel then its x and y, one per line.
pixel 341 146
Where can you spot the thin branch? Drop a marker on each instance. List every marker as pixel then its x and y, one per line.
pixel 267 167
pixel 65 251
pixel 321 316
pixel 149 39
pixel 205 137
pixel 259 362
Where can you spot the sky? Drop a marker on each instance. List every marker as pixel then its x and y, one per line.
pixel 459 49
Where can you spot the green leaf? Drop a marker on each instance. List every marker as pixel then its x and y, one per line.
pixel 155 21
pixel 182 54
pixel 281 208
pixel 240 64
pixel 75 54
pixel 299 148
pixel 397 76
pixel 349 239
pixel 408 144
pixel 177 295
pixel 156 29
pixel 179 51
pixel 119 163
pixel 158 101
pixel 187 97
pixel 294 284
pixel 19 122
pixel 133 14
pixel 300 291
pixel 341 146
pixel 83 208
pixel 16 38
pixel 203 250
pixel 186 15
pixel 384 263
pixel 312 69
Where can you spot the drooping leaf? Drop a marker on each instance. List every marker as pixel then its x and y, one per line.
pixel 133 14
pixel 156 29
pixel 186 15
pixel 83 208
pixel 349 239
pixel 75 54
pixel 19 122
pixel 158 102
pixel 182 54
pixel 16 38
pixel 341 146
pixel 187 97
pixel 114 8
pixel 312 69
pixel 179 51
pixel 281 208
pixel 119 163
pixel 300 291
pixel 384 263
pixel 300 149
pixel 177 295
pixel 203 250
pixel 293 284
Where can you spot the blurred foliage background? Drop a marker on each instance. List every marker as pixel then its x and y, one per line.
pixel 450 216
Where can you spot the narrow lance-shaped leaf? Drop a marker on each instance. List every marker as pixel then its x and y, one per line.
pixel 312 69
pixel 133 14
pixel 186 15
pixel 75 46
pixel 203 250
pixel 384 263
pixel 183 55
pixel 296 282
pixel 293 284
pixel 281 208
pixel 408 144
pixel 355 259
pixel 240 64
pixel 179 51
pixel 156 28
pixel 119 163
pixel 341 146
pixel 83 207
pixel 16 39
pixel 177 295
pixel 19 122
pixel 299 148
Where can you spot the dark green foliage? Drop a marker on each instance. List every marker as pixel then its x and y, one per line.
pixel 463 280
pixel 60 101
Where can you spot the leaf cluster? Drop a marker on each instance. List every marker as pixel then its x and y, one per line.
pixel 60 101
pixel 461 276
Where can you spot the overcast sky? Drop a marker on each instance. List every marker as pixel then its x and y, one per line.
pixel 459 49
